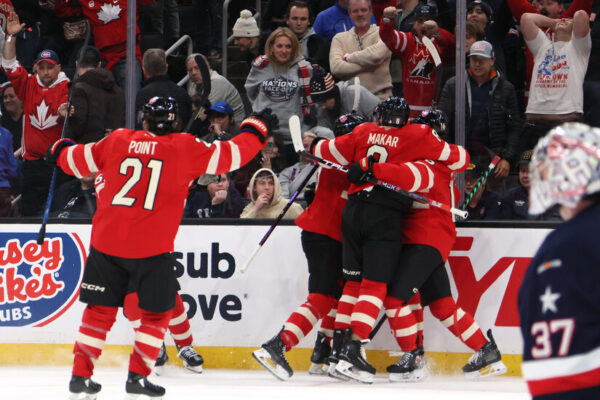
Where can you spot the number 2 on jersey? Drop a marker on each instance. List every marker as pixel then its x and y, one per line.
pixel 137 167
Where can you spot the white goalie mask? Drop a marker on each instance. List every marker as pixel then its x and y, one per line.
pixel 565 167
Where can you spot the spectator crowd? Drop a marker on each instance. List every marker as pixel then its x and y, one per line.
pixel 530 67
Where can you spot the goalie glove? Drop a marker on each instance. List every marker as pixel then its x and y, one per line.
pixel 54 150
pixel 262 124
pixel 361 172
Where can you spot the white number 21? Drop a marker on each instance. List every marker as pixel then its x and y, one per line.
pixel 136 165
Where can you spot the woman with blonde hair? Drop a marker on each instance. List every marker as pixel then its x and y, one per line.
pixel 280 79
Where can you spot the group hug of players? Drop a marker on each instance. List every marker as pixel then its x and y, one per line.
pixel 366 246
pixel 369 247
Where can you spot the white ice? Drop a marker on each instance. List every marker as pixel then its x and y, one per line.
pixel 50 383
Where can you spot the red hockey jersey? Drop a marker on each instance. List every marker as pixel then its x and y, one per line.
pixel 42 125
pixel 324 214
pixel 426 225
pixel 143 183
pixel 419 74
pixel 393 145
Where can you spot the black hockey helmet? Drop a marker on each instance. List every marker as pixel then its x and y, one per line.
pixel 393 111
pixel 161 115
pixel 347 122
pixel 435 118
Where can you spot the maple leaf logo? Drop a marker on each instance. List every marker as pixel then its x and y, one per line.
pixel 109 12
pixel 42 120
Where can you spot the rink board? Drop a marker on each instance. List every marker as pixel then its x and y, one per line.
pixel 232 313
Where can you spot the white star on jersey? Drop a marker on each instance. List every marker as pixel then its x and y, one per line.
pixel 548 300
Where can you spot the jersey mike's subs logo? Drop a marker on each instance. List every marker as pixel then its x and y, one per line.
pixel 38 283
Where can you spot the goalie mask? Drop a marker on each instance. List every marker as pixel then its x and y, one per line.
pixel 347 122
pixel 565 167
pixel 160 114
pixel 393 111
pixel 434 118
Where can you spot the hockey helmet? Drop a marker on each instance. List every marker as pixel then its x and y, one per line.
pixel 160 113
pixel 435 118
pixel 347 122
pixel 564 167
pixel 393 111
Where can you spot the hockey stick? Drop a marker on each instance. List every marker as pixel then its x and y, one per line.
pixel 438 66
pixel 481 181
pixel 42 232
pixel 300 149
pixel 206 88
pixel 279 217
pixel 377 327
pixel 356 94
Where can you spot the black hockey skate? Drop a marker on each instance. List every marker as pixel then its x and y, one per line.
pixel 319 357
pixel 191 359
pixel 163 357
pixel 83 388
pixel 138 385
pixel 409 368
pixel 486 362
pixel 337 342
pixel 272 356
pixel 353 361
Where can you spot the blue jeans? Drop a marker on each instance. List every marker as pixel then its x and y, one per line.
pixel 120 73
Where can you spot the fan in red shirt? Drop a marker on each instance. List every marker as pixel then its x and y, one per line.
pixel 44 96
pixel 419 74
pixel 141 186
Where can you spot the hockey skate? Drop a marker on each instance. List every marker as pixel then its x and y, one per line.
pixel 83 388
pixel 337 341
pixel 409 368
pixel 486 362
pixel 320 355
pixel 191 359
pixel 272 356
pixel 138 385
pixel 353 361
pixel 161 361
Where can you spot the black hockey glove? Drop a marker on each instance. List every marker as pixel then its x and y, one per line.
pixel 54 150
pixel 262 124
pixel 309 193
pixel 361 171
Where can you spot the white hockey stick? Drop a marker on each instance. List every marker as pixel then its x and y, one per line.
pixel 356 94
pixel 438 66
pixel 297 141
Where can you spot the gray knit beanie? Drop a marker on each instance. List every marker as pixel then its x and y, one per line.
pixel 245 26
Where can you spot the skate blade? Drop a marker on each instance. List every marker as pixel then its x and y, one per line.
pixel 345 368
pixel 318 369
pixel 264 359
pixel 83 396
pixel 409 377
pixel 497 368
pixel 131 396
pixel 197 369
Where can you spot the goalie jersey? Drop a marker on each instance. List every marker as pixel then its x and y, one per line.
pixel 559 306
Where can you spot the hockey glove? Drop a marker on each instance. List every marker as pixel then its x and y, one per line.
pixel 262 124
pixel 361 171
pixel 54 150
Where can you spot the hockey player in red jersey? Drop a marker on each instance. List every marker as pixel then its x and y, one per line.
pixel 372 219
pixel 428 235
pixel 419 74
pixel 179 327
pixel 322 244
pixel 143 179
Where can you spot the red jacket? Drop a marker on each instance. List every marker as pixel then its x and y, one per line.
pixel 419 75
pixel 42 125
